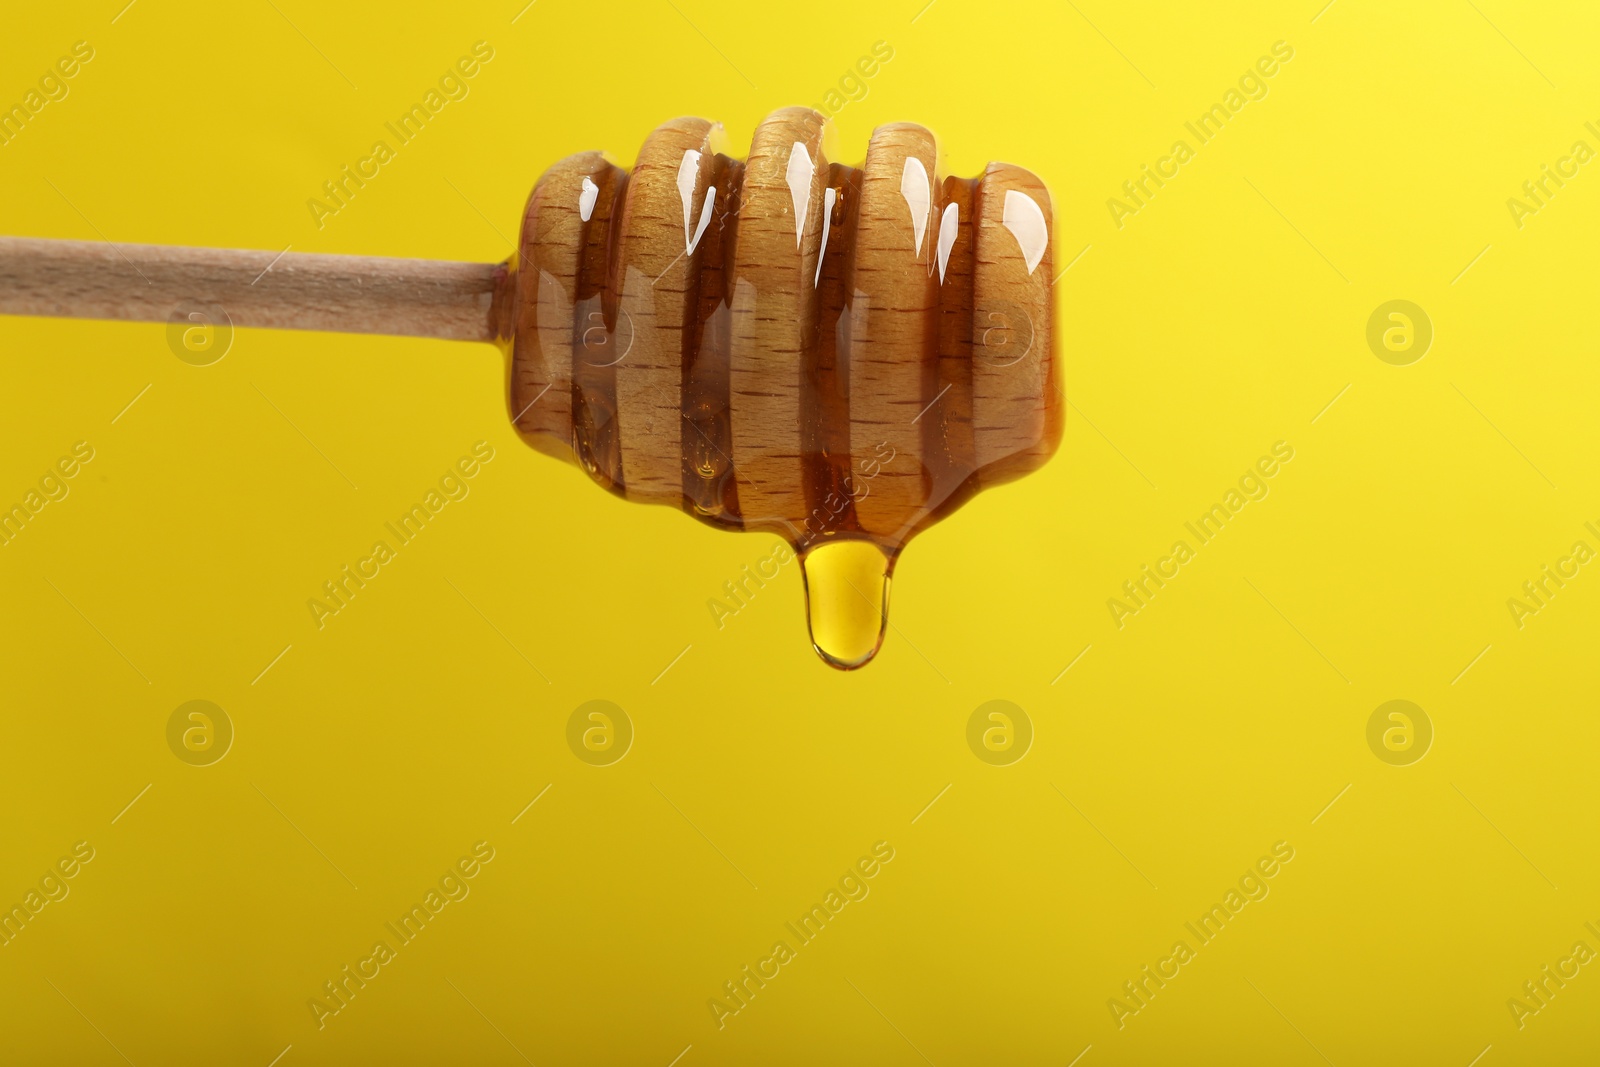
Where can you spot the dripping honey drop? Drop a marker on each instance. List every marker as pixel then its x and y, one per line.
pixel 847 600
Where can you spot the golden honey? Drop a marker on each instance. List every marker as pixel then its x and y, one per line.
pixel 840 355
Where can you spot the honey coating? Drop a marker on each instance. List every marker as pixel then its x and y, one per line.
pixel 838 355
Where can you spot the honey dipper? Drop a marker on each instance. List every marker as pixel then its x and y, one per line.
pixel 838 355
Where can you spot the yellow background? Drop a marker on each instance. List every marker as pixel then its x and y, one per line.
pixel 1224 717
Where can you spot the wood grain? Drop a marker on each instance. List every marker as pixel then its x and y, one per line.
pixel 947 427
pixel 289 291
pixel 774 315
pixel 1015 401
pixel 658 280
pixel 547 277
pixel 595 338
pixel 894 323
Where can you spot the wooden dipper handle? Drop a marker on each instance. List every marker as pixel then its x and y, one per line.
pixel 289 291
